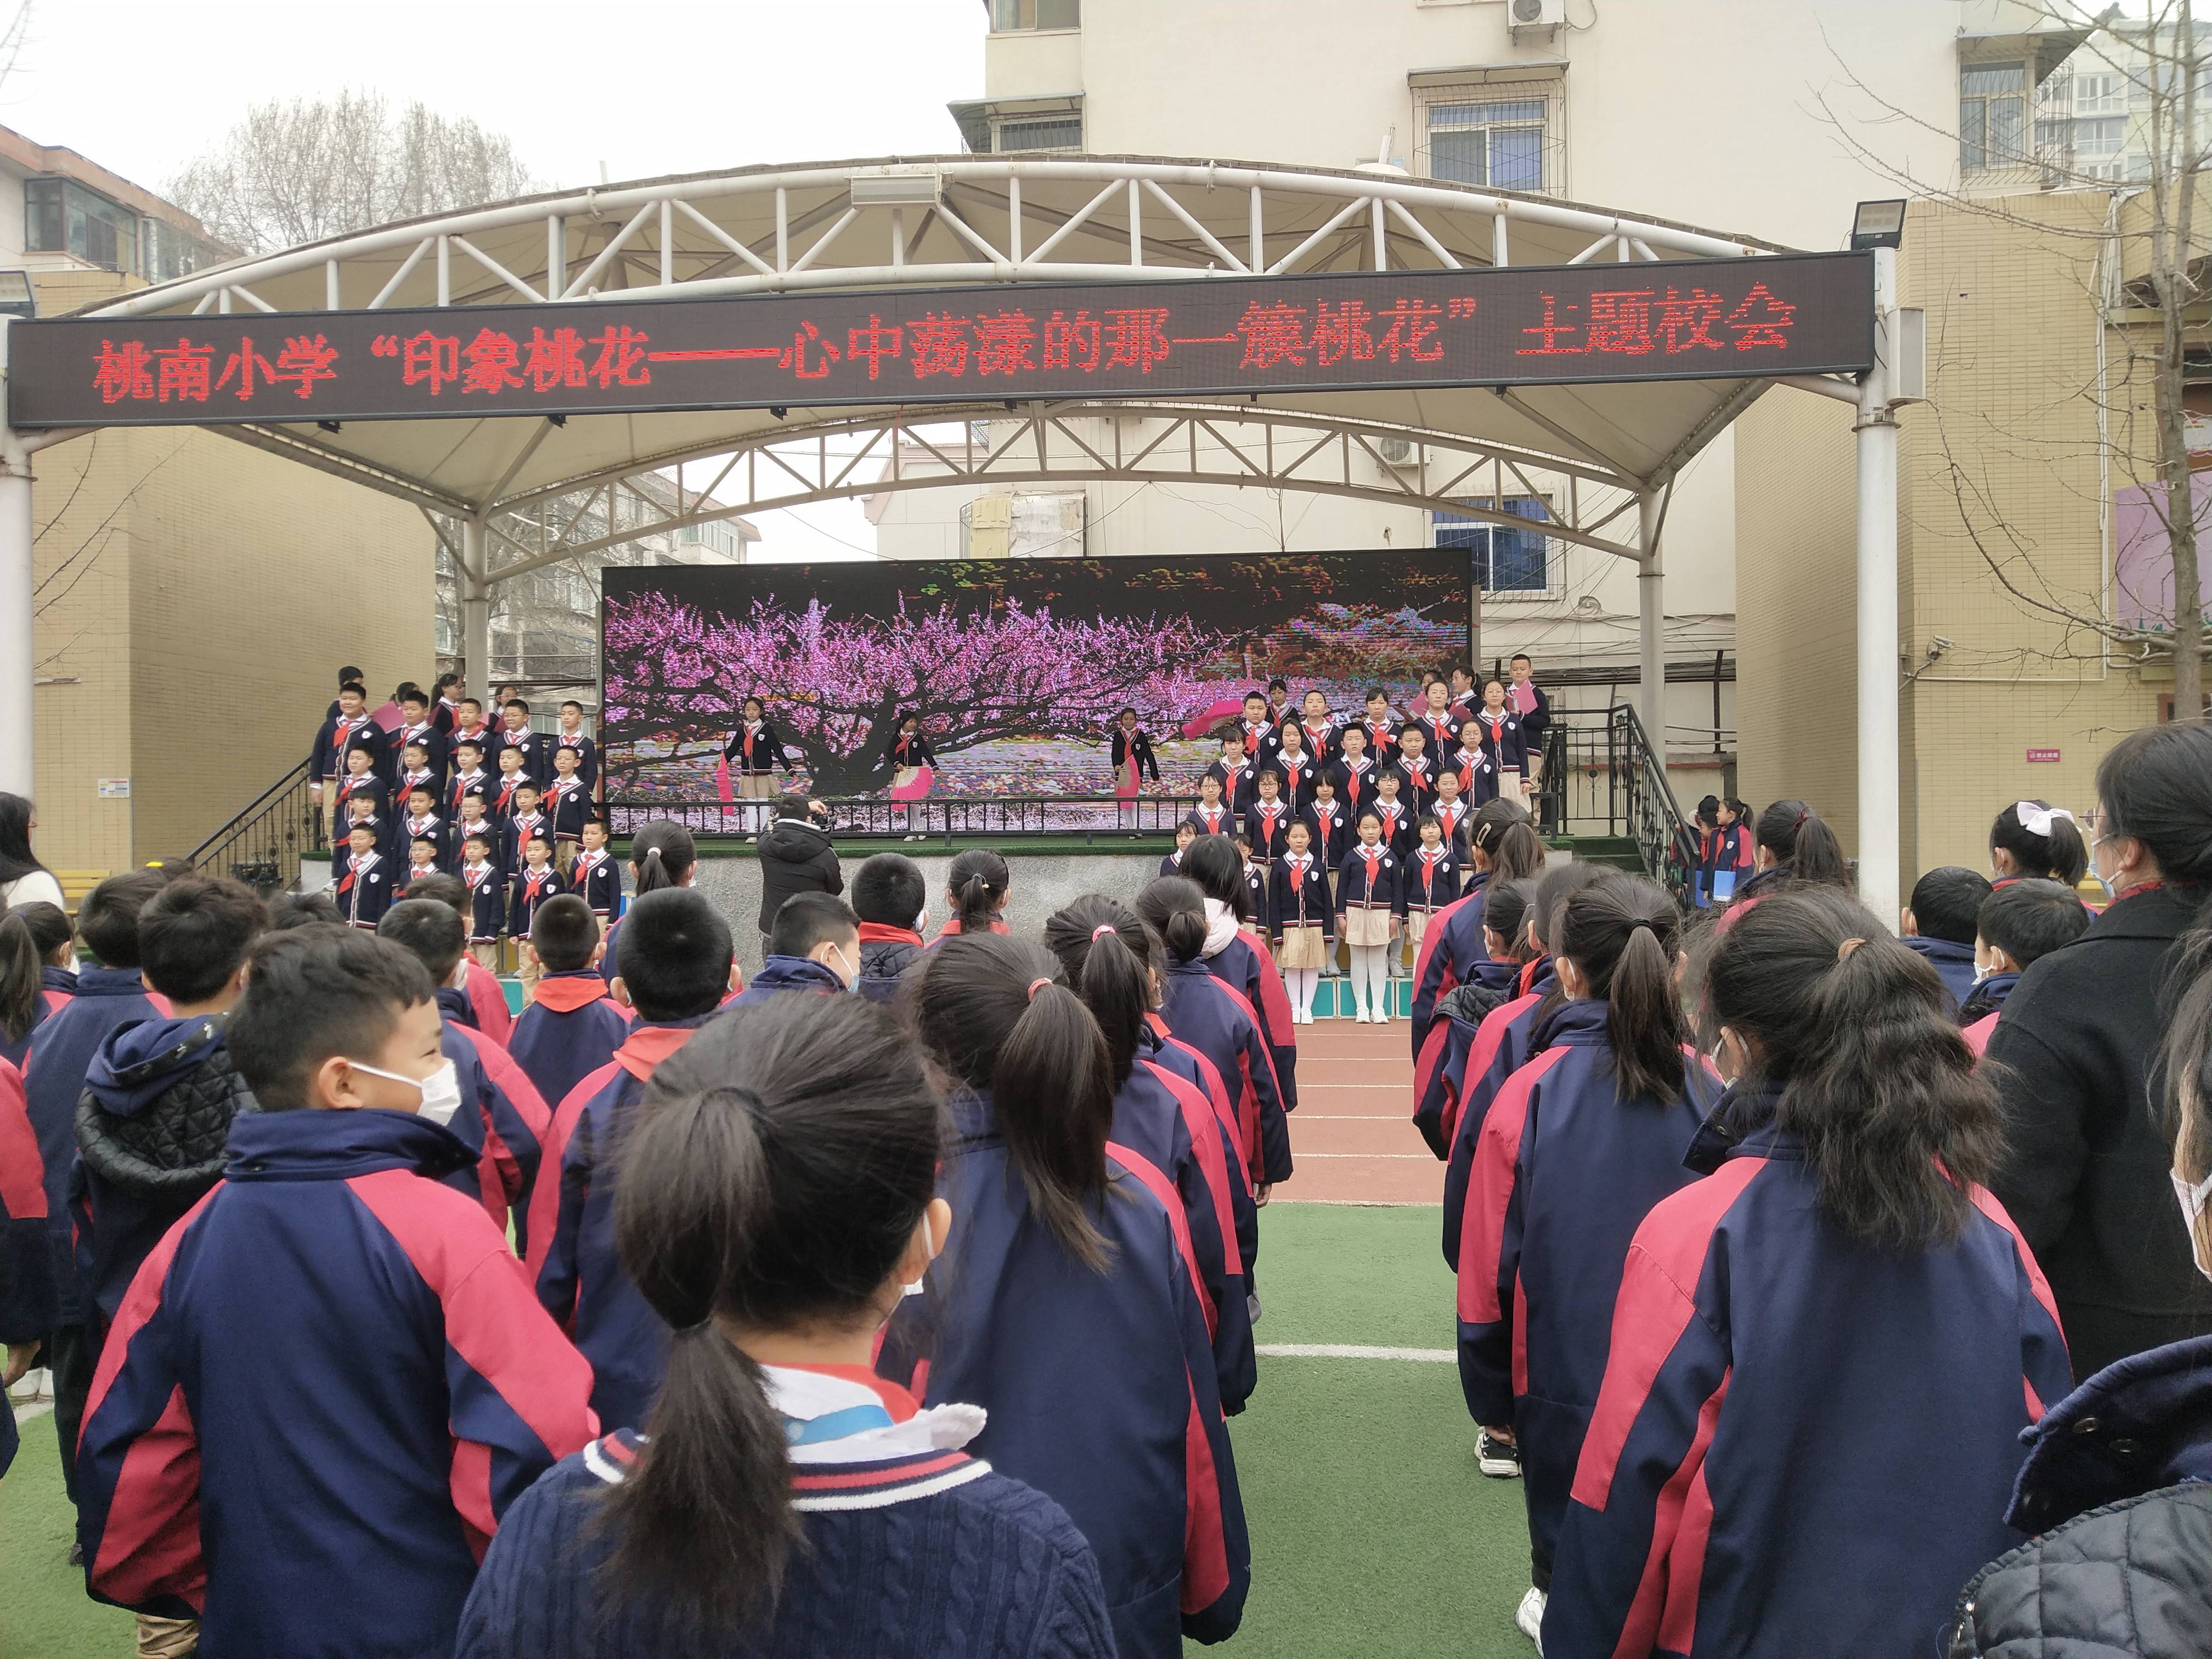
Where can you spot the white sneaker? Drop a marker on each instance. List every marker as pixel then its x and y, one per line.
pixel 1529 1618
pixel 1382 1014
pixel 1363 1018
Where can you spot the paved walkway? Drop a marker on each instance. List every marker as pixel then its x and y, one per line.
pixel 1352 1137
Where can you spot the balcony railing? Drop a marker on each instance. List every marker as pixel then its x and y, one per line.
pixel 262 845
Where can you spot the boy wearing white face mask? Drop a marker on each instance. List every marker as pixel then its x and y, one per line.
pixel 815 945
pixel 325 1267
pixel 490 1104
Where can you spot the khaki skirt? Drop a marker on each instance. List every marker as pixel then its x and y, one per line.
pixel 1417 924
pixel 756 786
pixel 1303 948
pixel 1362 926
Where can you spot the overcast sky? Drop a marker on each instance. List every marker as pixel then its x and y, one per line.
pixel 648 88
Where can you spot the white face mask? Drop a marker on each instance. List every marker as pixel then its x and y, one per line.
pixel 846 966
pixel 440 1091
pixel 2194 1201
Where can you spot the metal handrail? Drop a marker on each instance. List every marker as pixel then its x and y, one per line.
pixel 263 844
pixel 1602 777
pixel 937 817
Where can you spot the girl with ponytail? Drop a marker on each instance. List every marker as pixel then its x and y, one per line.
pixel 2034 841
pixel 1069 1305
pixel 662 854
pixel 1838 1333
pixel 1239 956
pixel 36 979
pixel 1794 844
pixel 1502 847
pixel 975 890
pixel 778 1192
pixel 1220 1024
pixel 1165 1127
pixel 1578 1145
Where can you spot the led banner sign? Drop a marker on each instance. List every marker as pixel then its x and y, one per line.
pixel 1640 321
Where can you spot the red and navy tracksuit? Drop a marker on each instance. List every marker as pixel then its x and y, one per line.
pixel 1564 1170
pixel 320 1393
pixel 1803 1444
pixel 30 1296
pixel 1214 1018
pixel 1245 966
pixel 1184 1062
pixel 781 974
pixel 1981 1008
pixel 488 998
pixel 1440 1070
pixel 1452 943
pixel 571 1260
pixel 571 1027
pixel 503 1119
pixel 1498 1047
pixel 1099 1385
pixel 58 986
pixel 1171 1125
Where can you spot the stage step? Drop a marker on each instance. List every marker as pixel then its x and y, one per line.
pixel 1617 852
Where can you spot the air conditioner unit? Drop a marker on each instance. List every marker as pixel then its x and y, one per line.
pixel 1530 16
pixel 1397 451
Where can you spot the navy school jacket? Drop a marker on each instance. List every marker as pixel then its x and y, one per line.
pixel 781 974
pixel 1453 819
pixel 568 804
pixel 437 746
pixel 366 889
pixel 516 833
pixel 323 1266
pixel 62 1049
pixel 1099 1385
pixel 1299 896
pixel 1478 775
pixel 1501 1045
pixel 597 879
pixel 1564 1170
pixel 1452 945
pixel 571 1260
pixel 1220 820
pixel 526 891
pixel 756 751
pixel 1172 863
pixel 477 782
pixel 1354 786
pixel 486 901
pixel 60 986
pixel 1504 742
pixel 1429 886
pixel 587 756
pixel 1397 817
pixel 570 1029
pixel 1330 829
pixel 1417 783
pixel 1953 964
pixel 537 751
pixel 1359 886
pixel 1298 776
pixel 1266 829
pixel 1159 1118
pixel 1240 788
pixel 503 1121
pixel 1245 966
pixel 412 829
pixel 1184 1062
pixel 1802 1445
pixel 1218 1021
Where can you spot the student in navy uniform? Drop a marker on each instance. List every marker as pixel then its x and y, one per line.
pixel 524 823
pixel 1471 763
pixel 1380 726
pixel 1075 1318
pixel 1271 815
pixel 814 946
pixel 1431 883
pixel 1279 701
pixel 595 876
pixel 573 1025
pixel 1235 773
pixel 786 1503
pixel 1109 957
pixel 1185 833
pixel 2021 922
pixel 473 821
pixel 1327 824
pixel 1584 1139
pixel 487 898
pixel 534 882
pixel 440 1397
pixel 347 724
pixel 1395 812
pixel 1237 954
pixel 502 1118
pixel 1213 815
pixel 891 899
pixel 1255 886
pixel 1318 725
pixel 567 806
pixel 361 808
pixel 1219 1021
pixel 418 730
pixel 416 772
pixel 753 751
pixel 572 736
pixel 1437 723
pixel 422 823
pixel 37 978
pixel 504 799
pixel 357 775
pixel 1793 845
pixel 908 750
pixel 1501 847
pixel 1367 916
pixel 672 966
pixel 1416 770
pixel 1132 754
pixel 470 778
pixel 421 860
pixel 515 733
pixel 1301 917
pixel 470 726
pixel 1939 923
pixel 444 707
pixel 1351 774
pixel 1255 732
pixel 1503 740
pixel 364 892
pixel 1295 765
pixel 1844 1235
pixel 2033 839
pixel 1452 815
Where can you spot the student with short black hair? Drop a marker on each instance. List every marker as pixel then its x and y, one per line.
pixel 347 724
pixel 470 778
pixel 1235 776
pixel 37 976
pixel 573 1025
pixel 536 882
pixel 1328 827
pixel 423 823
pixel 573 737
pixel 815 945
pixel 594 877
pixel 1256 733
pixel 159 1092
pixel 1844 1235
pixel 524 823
pixel 786 1502
pixel 416 772
pixel 515 733
pixel 440 1393
pixel 1938 925
pixel 1074 1316
pixel 2021 922
pixel 567 806
pixel 890 897
pixel 289 910
pixel 1213 815
pixel 672 967
pixel 364 891
pixel 503 1119
pixel 1185 833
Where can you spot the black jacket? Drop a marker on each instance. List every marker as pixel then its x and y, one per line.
pixel 795 857
pixel 882 961
pixel 2114 1485
pixel 2085 1176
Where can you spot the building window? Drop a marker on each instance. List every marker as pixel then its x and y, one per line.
pixel 1992 114
pixel 2100 95
pixel 60 216
pixel 1498 145
pixel 1506 560
pixel 170 252
pixel 1060 132
pixel 1008 15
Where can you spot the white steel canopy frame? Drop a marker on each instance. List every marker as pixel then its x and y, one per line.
pixel 959 221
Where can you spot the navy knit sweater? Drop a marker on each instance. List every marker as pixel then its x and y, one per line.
pixel 929 1557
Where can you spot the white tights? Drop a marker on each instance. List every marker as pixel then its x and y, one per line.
pixel 1371 978
pixel 1300 983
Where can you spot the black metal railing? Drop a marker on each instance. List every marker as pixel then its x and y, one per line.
pixel 939 818
pixel 1602 778
pixel 263 845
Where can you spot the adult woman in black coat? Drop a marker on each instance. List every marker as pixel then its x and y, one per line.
pixel 2086 1177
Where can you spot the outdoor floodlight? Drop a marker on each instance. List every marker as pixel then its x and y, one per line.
pixel 1878 224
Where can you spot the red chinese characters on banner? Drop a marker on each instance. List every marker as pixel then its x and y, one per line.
pixel 1648 322
pixel 185 372
pixel 493 363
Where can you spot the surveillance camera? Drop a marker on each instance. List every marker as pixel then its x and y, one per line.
pixel 1938 646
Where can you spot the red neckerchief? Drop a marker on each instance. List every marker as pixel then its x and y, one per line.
pixel 480 829
pixel 1415 773
pixel 1431 857
pixel 475 734
pixel 1352 769
pixel 524 823
pixel 477 875
pixel 1450 817
pixel 1469 764
pixel 421 826
pixel 354 869
pixel 506 791
pixel 533 883
pixel 1295 764
pixel 1269 814
pixel 1440 728
pixel 421 776
pixel 1254 734
pixel 517 738
pixel 1378 737
pixel 409 733
pixel 1495 722
pixel 567 785
pixel 1390 812
pixel 1211 816
pixel 576 740
pixel 587 862
pixel 748 750
pixel 1296 863
pixel 1374 857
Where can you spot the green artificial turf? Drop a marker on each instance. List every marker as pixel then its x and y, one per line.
pixel 1372 1535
